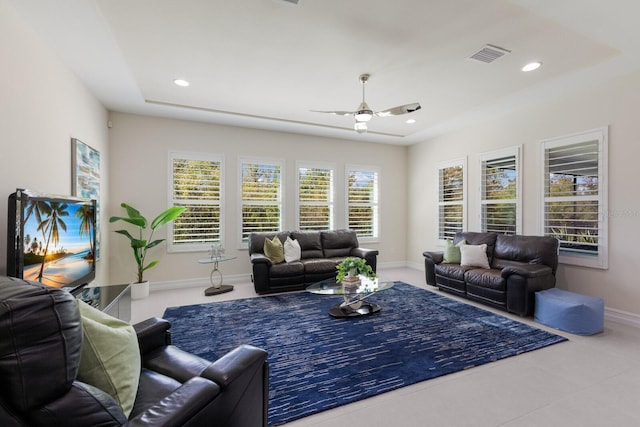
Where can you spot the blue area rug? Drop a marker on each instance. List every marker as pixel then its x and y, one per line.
pixel 318 362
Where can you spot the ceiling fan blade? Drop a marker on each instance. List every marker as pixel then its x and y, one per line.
pixel 402 109
pixel 337 113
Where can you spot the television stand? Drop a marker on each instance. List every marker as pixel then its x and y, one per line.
pixel 114 300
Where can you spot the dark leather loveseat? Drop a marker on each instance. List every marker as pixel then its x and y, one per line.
pixel 519 267
pixel 41 337
pixel 321 251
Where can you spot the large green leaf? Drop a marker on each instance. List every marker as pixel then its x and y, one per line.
pixel 138 221
pixel 167 216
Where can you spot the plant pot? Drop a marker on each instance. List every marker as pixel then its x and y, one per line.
pixel 140 290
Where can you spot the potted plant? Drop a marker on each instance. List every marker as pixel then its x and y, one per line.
pixel 141 244
pixel 352 267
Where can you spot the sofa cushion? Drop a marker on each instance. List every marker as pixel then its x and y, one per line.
pixel 474 255
pixel 292 250
pixel 454 271
pixel 339 242
pixel 310 245
pixel 319 265
pixel 286 269
pixel 110 356
pixel 485 278
pixel 274 250
pixel 528 249
pixel 451 253
pixel 40 342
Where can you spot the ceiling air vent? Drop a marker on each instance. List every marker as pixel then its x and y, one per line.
pixel 489 53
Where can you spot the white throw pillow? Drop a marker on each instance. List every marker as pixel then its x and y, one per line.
pixel 292 250
pixel 474 256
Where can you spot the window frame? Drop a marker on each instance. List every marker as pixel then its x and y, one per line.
pixel 242 242
pixel 375 204
pixel 599 135
pixel 462 162
pixel 497 155
pixel 211 157
pixel 330 203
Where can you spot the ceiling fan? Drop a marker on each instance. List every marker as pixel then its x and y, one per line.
pixel 363 114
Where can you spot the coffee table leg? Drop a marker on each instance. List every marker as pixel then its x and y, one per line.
pixel 360 308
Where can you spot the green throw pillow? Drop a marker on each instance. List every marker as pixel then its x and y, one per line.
pixel 110 357
pixel 452 252
pixel 274 250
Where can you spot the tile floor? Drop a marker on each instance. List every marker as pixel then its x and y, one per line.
pixel 587 381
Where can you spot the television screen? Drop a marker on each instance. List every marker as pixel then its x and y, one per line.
pixel 51 239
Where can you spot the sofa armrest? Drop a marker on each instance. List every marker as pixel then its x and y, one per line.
pixel 434 257
pixel 152 333
pixel 527 270
pixel 430 261
pixel 180 406
pixel 258 258
pixel 364 252
pixel 369 255
pixel 234 364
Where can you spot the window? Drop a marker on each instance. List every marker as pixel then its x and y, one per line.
pixel 500 181
pixel 451 198
pixel 261 183
pixel 196 183
pixel 362 201
pixel 315 197
pixel 575 196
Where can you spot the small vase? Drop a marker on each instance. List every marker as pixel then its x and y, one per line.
pixel 140 290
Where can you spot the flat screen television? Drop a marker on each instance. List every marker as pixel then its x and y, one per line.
pixel 51 239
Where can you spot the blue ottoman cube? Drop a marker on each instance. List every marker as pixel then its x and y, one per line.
pixel 569 312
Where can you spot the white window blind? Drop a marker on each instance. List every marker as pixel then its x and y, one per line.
pixel 196 183
pixel 451 199
pixel 362 201
pixel 575 197
pixel 261 200
pixel 500 192
pixel 315 197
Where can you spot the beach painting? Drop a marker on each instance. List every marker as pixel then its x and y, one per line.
pixel 58 241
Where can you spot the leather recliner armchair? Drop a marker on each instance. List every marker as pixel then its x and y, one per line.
pixel 40 347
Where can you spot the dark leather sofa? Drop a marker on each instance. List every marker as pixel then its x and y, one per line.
pixel 520 266
pixel 321 251
pixel 40 345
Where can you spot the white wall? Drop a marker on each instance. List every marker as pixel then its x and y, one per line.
pixel 139 176
pixel 614 104
pixel 42 106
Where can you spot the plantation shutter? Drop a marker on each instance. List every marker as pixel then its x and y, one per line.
pixel 499 195
pixel 572 196
pixel 315 198
pixel 362 201
pixel 261 197
pixel 196 184
pixel 451 201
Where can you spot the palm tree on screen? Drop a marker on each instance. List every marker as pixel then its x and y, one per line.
pixel 50 227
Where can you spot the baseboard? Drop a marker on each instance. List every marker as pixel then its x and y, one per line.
pixel 619 316
pixel 200 282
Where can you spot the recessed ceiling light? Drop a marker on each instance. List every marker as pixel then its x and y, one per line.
pixel 411 121
pixel 531 66
pixel 181 82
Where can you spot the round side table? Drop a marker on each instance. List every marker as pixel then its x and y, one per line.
pixel 216 285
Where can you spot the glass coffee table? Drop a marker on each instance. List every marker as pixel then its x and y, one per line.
pixel 354 297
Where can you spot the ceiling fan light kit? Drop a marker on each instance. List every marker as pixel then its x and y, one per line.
pixel 363 114
pixel 360 127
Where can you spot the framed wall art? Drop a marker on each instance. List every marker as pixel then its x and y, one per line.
pixel 85 181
